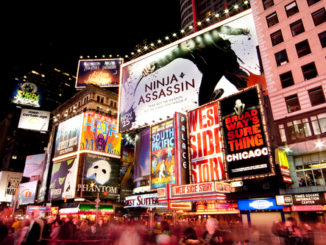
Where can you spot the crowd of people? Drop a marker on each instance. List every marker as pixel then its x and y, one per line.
pixel 69 230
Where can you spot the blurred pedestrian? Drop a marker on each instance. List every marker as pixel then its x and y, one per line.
pixel 291 233
pixel 33 234
pixel 190 237
pixel 164 237
pixel 212 235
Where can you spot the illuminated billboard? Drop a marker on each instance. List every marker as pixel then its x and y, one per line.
pixel 101 175
pixel 68 134
pixel 169 152
pixel 34 120
pixel 210 64
pixel 34 166
pixel 9 182
pixel 100 72
pixel 100 134
pixel 206 156
pixel 27 192
pixel 63 179
pixel 27 93
pixel 142 164
pixel 246 142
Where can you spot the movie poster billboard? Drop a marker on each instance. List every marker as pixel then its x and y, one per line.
pixel 246 142
pixel 34 166
pixel 142 164
pixel 34 120
pixel 101 175
pixel 63 179
pixel 27 192
pixel 207 65
pixel 100 134
pixel 206 156
pixel 169 152
pixel 68 134
pixel 100 72
pixel 28 94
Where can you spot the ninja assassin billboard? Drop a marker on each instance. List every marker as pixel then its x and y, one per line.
pixel 246 143
pixel 210 64
pixel 63 179
pixel 101 175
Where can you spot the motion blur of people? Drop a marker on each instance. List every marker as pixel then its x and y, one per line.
pixel 290 232
pixel 190 237
pixel 68 229
pixel 164 238
pixel 33 235
pixel 212 235
pixel 129 236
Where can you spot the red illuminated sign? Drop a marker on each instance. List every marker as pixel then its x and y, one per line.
pixel 307 208
pixel 205 144
pixel 201 188
pixel 185 206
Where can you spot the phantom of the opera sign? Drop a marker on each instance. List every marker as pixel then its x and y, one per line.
pixel 245 136
pixel 210 64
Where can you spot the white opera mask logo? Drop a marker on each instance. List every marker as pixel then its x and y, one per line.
pixel 100 171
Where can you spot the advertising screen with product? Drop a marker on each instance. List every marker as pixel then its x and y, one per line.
pixel 246 142
pixel 101 175
pixel 100 134
pixel 100 72
pixel 34 166
pixel 207 65
pixel 34 120
pixel 206 157
pixel 258 204
pixel 27 192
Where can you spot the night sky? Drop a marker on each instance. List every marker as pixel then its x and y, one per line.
pixel 58 34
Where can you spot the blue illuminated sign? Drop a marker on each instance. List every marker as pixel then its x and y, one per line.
pixel 258 204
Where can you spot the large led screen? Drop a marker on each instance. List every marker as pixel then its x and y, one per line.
pixel 210 64
pixel 100 134
pixel 100 72
pixel 68 136
pixel 206 156
pixel 246 143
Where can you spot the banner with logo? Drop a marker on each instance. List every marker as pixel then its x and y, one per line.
pixel 206 157
pixel 27 192
pixel 100 72
pixel 34 120
pixel 28 94
pixel 245 136
pixel 210 64
pixel 100 134
pixel 34 166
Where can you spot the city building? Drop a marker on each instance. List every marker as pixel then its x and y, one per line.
pixel 207 12
pixel 292 41
pixel 55 86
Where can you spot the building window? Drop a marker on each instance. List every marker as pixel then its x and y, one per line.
pixel 291 9
pixel 276 37
pixel 272 19
pixel 319 16
pixel 322 38
pixel 292 103
pixel 297 27
pixel 303 48
pixel 299 129
pixel 268 3
pixel 281 58
pixel 316 96
pixel 286 79
pixel 311 2
pixel 282 132
pixel 309 71
pixel 319 123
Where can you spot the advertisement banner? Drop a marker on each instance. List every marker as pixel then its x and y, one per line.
pixel 63 179
pixel 100 72
pixel 9 183
pixel 101 175
pixel 27 192
pixel 246 143
pixel 206 157
pixel 142 164
pixel 99 134
pixel 282 161
pixel 34 120
pixel 34 166
pixel 163 154
pixel 258 204
pixel 210 64
pixel 68 134
pixel 28 94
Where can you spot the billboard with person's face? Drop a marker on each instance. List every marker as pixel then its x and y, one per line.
pixel 63 179
pixel 100 72
pixel 212 63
